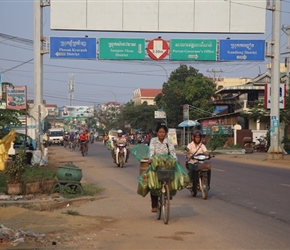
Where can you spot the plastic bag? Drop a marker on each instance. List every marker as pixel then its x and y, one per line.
pixel 143 187
pixel 109 145
pixel 163 161
pixel 181 178
pixel 140 152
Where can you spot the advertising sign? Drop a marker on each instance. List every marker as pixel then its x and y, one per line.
pixel 267 96
pixel 16 97
pixel 76 111
pixel 172 135
pixel 193 49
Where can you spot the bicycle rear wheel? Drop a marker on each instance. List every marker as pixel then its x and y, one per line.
pixel 165 196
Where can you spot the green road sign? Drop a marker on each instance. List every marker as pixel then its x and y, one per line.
pixel 122 48
pixel 193 49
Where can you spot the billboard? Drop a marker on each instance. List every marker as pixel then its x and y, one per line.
pixel 191 16
pixel 76 111
pixel 16 97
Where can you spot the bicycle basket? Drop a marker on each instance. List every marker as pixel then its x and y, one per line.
pixel 165 174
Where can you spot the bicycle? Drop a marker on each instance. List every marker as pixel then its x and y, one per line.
pixel 83 148
pixel 165 176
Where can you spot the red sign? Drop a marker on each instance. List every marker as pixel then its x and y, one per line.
pixel 157 49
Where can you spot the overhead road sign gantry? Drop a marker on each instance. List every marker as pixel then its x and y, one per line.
pixel 193 49
pixel 73 48
pixel 242 50
pixel 157 49
pixel 122 48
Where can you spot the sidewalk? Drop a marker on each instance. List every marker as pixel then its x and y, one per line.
pixel 260 158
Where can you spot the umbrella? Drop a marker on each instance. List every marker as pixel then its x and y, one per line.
pixel 188 123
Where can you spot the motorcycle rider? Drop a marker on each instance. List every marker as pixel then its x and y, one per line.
pixel 195 147
pixel 84 139
pixel 119 140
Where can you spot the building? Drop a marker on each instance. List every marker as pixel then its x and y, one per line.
pixel 145 95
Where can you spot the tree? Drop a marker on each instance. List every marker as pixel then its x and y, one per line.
pixel 257 113
pixel 140 116
pixel 186 86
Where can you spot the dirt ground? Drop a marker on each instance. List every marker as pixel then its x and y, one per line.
pixel 45 225
pixel 43 221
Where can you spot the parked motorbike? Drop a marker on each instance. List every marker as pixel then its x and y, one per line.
pixel 121 155
pixel 203 168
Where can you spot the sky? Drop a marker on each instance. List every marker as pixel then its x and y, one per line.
pixel 100 81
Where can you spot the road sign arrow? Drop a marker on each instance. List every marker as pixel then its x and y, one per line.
pixel 193 56
pixel 60 54
pixel 140 49
pixel 244 57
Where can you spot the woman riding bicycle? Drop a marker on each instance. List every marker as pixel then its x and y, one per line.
pixel 160 145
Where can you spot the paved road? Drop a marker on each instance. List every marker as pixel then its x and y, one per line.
pixel 248 208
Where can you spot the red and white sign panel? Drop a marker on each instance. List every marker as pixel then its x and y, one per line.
pixel 16 97
pixel 267 96
pixel 157 49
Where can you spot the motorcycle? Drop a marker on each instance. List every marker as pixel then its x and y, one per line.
pixel 121 154
pixel 203 168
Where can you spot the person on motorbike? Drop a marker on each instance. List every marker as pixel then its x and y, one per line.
pixel 66 139
pixel 84 140
pixel 195 147
pixel 72 138
pixel 160 145
pixel 119 140
pixel 106 138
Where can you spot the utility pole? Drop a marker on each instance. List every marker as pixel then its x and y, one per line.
pixel 275 150
pixel 214 72
pixel 38 42
pixel 286 30
pixel 71 89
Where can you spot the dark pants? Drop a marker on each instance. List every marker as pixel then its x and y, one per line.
pixel 154 201
pixel 193 175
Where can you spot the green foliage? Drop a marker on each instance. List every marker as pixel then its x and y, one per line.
pixel 17 168
pixel 217 141
pixel 140 116
pixel 91 189
pixel 286 142
pixel 72 212
pixel 32 174
pixel 186 86
pixel 3 181
pixel 258 112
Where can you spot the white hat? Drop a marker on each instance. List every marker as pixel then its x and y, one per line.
pixel 120 131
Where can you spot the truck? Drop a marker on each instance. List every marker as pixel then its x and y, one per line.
pixel 55 136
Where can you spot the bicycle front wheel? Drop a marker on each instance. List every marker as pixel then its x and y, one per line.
pixel 165 196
